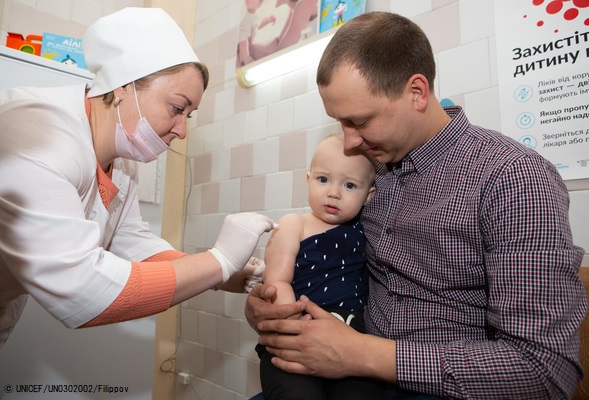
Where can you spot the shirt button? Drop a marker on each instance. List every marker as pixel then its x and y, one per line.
pixel 401 183
pixel 389 231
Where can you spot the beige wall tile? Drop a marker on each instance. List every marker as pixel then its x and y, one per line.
pixel 253 193
pixel 242 161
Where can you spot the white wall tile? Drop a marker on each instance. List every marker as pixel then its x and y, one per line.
pixel 253 377
pixel 215 371
pixel 194 234
pixel 410 8
pixel 233 130
pixel 235 378
pixel 266 156
pixel 308 111
pixel 209 301
pixel 196 141
pixel 129 3
pixel 220 393
pixel 190 358
pixel 256 124
pixel 234 305
pixel 281 117
pixel 59 8
pixel 477 20
pixel 32 3
pixel 188 322
pixel 213 137
pixel 248 338
pixel 378 5
pixel 234 14
pixel 267 92
pixel 228 334
pixel 224 101
pixel 204 9
pixel 207 329
pixel 465 69
pixel 229 195
pixel 220 165
pixel 442 27
pixel 193 202
pixel 198 388
pixel 278 190
pixel 493 60
pixel 213 227
pixel 87 12
pixel 483 108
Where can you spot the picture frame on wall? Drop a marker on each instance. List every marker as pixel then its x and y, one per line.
pixel 335 13
pixel 268 26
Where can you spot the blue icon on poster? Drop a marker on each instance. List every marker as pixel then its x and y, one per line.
pixel 523 93
pixel 525 120
pixel 528 141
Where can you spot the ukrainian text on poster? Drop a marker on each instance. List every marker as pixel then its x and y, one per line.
pixel 543 69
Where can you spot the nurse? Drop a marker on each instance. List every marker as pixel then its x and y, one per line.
pixel 71 235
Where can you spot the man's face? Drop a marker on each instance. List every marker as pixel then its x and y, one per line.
pixel 382 127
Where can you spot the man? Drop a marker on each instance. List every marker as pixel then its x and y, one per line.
pixel 474 291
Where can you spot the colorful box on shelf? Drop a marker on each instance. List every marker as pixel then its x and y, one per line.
pixel 63 49
pixel 31 44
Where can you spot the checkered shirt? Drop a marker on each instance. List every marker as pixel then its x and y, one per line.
pixel 473 268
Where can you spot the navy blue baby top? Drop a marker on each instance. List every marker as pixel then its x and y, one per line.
pixel 330 268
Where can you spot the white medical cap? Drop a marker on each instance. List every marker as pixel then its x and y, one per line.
pixel 131 44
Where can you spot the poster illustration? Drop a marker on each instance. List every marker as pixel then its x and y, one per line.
pixel 336 12
pixel 542 59
pixel 273 25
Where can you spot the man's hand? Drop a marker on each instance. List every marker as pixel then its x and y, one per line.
pixel 318 344
pixel 259 306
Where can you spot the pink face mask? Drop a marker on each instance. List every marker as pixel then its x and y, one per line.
pixel 143 144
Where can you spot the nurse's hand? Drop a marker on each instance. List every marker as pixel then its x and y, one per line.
pixel 238 239
pixel 259 306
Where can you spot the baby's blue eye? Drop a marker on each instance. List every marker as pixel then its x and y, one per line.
pixel 322 179
pixel 350 185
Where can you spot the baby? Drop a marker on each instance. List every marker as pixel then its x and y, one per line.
pixel 321 254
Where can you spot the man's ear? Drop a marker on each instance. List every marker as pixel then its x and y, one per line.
pixel 419 90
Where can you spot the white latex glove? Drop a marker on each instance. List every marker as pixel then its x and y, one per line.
pixel 238 239
pixel 255 268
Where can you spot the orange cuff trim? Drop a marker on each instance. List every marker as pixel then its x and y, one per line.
pixel 168 255
pixel 149 290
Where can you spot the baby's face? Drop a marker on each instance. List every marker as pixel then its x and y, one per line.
pixel 338 184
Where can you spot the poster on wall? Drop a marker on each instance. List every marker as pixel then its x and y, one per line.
pixel 542 59
pixel 336 12
pixel 272 25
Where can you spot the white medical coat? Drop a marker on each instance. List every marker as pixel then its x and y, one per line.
pixel 57 241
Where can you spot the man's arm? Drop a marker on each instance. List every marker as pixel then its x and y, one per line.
pixel 326 347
